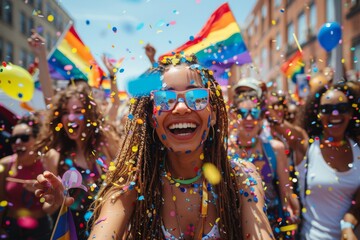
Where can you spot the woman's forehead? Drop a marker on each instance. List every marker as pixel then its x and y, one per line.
pixel 181 75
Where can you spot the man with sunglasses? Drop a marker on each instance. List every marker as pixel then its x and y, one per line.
pixel 23 216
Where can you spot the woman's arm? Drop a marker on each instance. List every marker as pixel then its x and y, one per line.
pixel 114 217
pixel 114 95
pixel 255 223
pixel 38 45
pixel 351 217
pixel 289 200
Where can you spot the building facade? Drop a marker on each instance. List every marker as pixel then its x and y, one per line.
pixel 17 18
pixel 269 35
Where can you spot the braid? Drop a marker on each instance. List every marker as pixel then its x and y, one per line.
pixel 137 168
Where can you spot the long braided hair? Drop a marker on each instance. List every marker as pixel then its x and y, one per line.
pixel 137 167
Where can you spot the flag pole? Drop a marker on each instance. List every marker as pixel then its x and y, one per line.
pixel 58 217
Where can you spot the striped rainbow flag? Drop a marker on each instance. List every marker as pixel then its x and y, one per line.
pixel 65 227
pixel 218 46
pixel 72 59
pixel 294 66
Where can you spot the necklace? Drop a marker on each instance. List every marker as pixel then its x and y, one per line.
pixel 203 213
pixel 189 181
pixel 329 143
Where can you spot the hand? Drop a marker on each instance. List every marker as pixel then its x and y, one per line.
pixel 29 185
pixel 293 208
pixel 37 43
pixel 150 52
pixel 109 66
pixel 50 187
pixel 348 234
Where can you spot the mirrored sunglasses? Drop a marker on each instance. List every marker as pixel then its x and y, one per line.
pixel 196 99
pixel 341 108
pixel 23 137
pixel 254 112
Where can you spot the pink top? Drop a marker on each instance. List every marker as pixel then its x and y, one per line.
pixel 17 195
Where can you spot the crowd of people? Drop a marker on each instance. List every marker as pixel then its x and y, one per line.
pixel 186 164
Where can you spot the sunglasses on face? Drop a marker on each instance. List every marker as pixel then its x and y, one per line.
pixel 196 99
pixel 254 112
pixel 329 108
pixel 23 137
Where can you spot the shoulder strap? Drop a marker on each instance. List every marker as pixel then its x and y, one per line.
pixel 270 155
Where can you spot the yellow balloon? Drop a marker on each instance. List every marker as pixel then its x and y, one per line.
pixel 16 82
pixel 211 173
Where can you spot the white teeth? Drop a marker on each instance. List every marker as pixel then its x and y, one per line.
pixel 182 125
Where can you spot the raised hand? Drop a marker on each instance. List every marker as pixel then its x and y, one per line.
pixel 50 188
pixel 150 52
pixel 37 44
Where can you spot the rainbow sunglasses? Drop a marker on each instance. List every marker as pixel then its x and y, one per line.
pixel 196 99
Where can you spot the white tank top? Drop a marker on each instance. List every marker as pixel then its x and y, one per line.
pixel 331 193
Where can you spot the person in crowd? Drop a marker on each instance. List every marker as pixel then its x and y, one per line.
pixel 268 155
pixel 21 212
pixel 162 186
pixel 77 136
pixel 327 161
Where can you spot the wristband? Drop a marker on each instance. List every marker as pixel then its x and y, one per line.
pixel 344 225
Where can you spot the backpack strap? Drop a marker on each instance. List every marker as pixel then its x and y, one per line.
pixel 270 155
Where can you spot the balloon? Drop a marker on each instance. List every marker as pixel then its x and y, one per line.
pixel 16 82
pixel 329 35
pixel 317 81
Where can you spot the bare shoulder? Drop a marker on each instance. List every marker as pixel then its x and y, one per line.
pixel 7 160
pixel 246 173
pixel 52 154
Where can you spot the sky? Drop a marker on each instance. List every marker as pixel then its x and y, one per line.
pixel 121 28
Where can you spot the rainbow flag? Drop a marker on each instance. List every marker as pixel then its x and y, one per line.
pixel 72 59
pixel 218 46
pixel 292 67
pixel 65 227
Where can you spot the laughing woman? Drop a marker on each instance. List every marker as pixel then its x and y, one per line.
pixel 327 161
pixel 162 186
pixel 78 137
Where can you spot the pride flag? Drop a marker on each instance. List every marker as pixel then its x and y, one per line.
pixel 72 59
pixel 218 46
pixel 293 66
pixel 65 227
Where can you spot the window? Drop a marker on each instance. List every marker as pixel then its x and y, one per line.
pixel 302 33
pixel 290 31
pixel 1 48
pixel 59 23
pixel 9 52
pixel 23 28
pixel 263 11
pixel 277 3
pixel 357 57
pixel 30 59
pixel 313 18
pixel 330 10
pixel 39 5
pixel 48 41
pixel 23 58
pixel 7 11
pixel 30 25
pixel 264 62
pixel 278 41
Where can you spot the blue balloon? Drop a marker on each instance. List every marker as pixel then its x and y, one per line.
pixel 329 35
